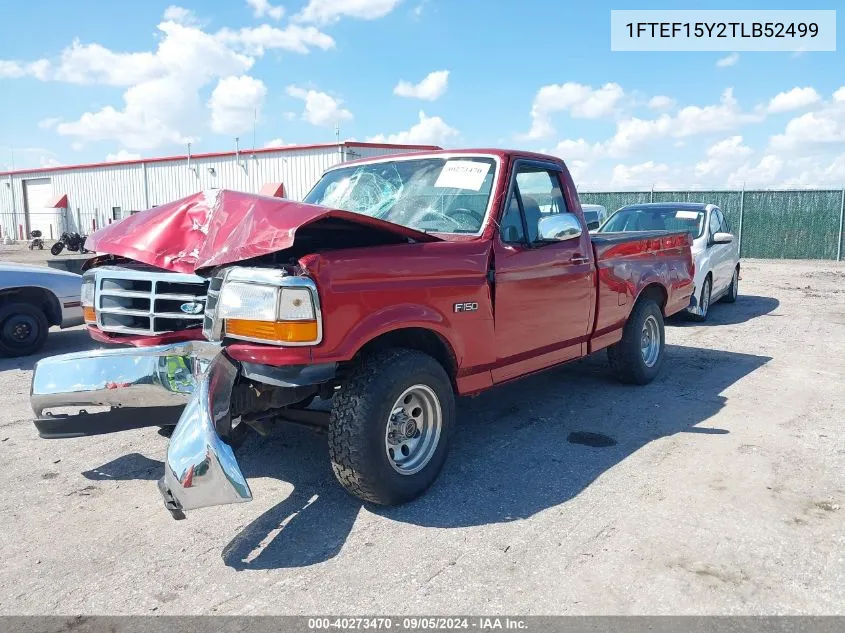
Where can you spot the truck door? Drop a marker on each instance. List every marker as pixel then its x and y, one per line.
pixel 544 288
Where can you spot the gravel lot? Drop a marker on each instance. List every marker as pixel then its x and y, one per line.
pixel 721 491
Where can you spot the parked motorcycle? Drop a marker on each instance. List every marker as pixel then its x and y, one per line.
pixel 35 240
pixel 72 241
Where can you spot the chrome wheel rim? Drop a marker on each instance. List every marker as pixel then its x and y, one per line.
pixel 413 429
pixel 650 341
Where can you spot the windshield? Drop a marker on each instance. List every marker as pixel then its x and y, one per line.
pixel 441 195
pixel 655 219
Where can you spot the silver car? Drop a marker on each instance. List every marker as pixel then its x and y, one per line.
pixel 33 298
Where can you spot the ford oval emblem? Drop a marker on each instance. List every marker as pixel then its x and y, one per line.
pixel 192 307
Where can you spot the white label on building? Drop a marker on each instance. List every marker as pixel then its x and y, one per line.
pixel 462 174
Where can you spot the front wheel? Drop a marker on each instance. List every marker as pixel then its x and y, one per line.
pixel 733 291
pixel 703 302
pixel 637 358
pixel 390 426
pixel 57 248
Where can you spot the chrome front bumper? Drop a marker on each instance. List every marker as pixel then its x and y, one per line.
pixel 186 382
pixel 142 386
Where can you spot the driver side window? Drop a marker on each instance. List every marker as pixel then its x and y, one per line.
pixel 536 195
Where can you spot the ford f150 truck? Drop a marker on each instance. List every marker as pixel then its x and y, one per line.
pixel 396 284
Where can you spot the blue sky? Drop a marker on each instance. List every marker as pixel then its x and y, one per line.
pixel 96 81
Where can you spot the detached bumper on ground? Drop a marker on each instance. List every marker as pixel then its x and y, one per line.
pixel 189 384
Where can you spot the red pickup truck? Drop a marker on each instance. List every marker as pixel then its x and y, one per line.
pixel 396 284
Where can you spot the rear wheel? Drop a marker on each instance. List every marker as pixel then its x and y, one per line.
pixel 23 329
pixel 637 358
pixel 390 426
pixel 733 291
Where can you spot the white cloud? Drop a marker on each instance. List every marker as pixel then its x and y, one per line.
pixel 235 103
pixel 430 89
pixel 293 38
pixel 320 108
pixel 261 8
pixel 722 157
pixel 429 131
pixel 661 102
pixel 730 60
pixel 122 155
pixel 11 70
pixel 689 121
pixel 839 95
pixel 162 102
pixel 165 98
pixel 276 142
pixel 89 64
pixel 14 70
pixel 578 150
pixel 180 15
pixel 638 175
pixel 49 123
pixel 794 99
pixel 580 101
pixel 327 11
pixel 764 173
pixel 49 161
pixel 822 128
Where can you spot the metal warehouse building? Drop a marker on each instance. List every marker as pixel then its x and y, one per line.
pixel 85 197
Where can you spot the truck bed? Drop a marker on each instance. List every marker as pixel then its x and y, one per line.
pixel 629 262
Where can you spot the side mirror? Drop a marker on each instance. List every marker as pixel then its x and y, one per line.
pixel 559 227
pixel 722 238
pixel 592 226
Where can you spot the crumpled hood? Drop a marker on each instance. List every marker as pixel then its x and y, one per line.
pixel 221 227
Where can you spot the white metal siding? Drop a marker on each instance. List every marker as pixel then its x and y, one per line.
pixel 93 191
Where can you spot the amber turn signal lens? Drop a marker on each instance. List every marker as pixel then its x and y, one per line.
pixel 279 331
pixel 89 315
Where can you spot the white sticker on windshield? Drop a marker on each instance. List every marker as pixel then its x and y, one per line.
pixel 462 174
pixel 686 215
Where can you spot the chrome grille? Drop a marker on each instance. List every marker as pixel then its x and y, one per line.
pixel 129 301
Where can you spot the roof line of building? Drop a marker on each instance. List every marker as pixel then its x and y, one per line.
pixel 248 151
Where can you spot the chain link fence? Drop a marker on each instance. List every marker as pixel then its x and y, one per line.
pixel 799 224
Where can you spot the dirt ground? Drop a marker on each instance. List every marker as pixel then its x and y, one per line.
pixel 719 488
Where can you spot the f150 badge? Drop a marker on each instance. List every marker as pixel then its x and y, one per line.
pixel 469 306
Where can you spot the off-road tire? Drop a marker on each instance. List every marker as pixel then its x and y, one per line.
pixel 36 321
pixel 626 358
pixel 733 290
pixel 359 416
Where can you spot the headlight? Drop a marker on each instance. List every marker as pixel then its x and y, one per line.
pixel 267 307
pixel 87 298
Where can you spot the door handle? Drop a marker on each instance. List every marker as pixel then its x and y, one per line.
pixel 578 259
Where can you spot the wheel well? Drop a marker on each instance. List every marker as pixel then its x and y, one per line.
pixel 45 300
pixel 656 293
pixel 421 339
